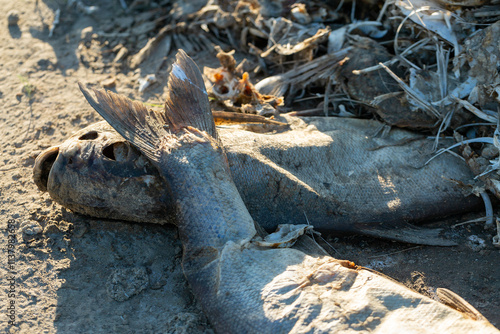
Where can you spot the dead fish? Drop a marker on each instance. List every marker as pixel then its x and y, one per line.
pixel 329 172
pixel 244 288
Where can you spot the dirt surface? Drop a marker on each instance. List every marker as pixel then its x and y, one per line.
pixel 63 272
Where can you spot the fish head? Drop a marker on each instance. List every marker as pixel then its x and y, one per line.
pixel 98 173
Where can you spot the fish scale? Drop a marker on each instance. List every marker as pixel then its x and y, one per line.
pixel 355 184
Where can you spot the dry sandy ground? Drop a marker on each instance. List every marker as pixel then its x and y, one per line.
pixel 84 275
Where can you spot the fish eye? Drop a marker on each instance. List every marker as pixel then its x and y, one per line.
pixel 89 136
pixel 116 151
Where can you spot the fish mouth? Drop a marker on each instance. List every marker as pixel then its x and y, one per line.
pixel 43 165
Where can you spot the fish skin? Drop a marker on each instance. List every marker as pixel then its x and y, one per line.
pixel 322 171
pixel 333 175
pixel 246 289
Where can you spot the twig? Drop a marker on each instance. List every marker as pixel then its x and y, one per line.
pixel 7 168
pixel 312 235
pixel 326 101
pixel 442 127
pixel 397 252
pixel 443 58
pixel 408 50
pixel 412 93
pixel 123 4
pixel 55 22
pixel 473 124
pixel 474 110
pixel 384 9
pixel 486 140
pixel 477 220
pixel 488 208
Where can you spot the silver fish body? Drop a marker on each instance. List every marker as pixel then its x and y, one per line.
pixel 332 173
pixel 244 288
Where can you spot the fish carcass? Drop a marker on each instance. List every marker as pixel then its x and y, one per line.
pixel 332 173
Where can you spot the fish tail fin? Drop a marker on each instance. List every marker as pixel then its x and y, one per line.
pixel 187 103
pixel 186 106
pixel 142 127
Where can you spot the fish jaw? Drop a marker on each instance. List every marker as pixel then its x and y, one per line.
pixel 43 164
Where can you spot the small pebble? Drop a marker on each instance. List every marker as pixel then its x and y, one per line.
pixel 489 152
pixel 476 243
pixel 51 229
pixel 80 229
pixel 123 283
pixel 30 227
pixel 109 83
pixel 13 17
pixel 146 82
pixel 86 34
pixel 120 56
